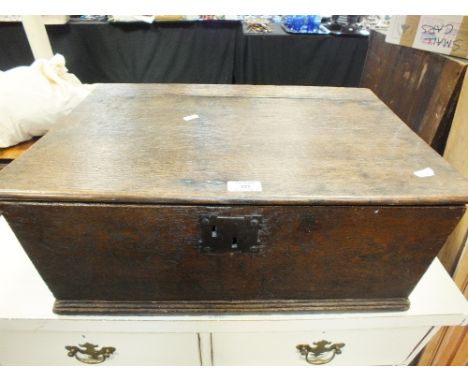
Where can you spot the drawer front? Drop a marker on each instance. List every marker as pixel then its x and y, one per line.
pixel 359 347
pixel 157 253
pixel 48 348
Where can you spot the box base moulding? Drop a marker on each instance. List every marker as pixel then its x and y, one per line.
pixel 229 307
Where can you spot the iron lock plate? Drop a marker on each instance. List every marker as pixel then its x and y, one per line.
pixel 230 233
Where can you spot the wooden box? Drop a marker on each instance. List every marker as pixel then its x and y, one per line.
pixel 213 198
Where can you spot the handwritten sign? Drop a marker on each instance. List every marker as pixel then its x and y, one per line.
pixel 439 33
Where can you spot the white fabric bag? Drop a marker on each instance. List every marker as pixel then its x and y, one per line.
pixel 33 98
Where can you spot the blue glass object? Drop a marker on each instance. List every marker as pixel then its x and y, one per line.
pixel 313 23
pixel 302 23
pixel 298 23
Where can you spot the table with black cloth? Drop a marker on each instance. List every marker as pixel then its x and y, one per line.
pixel 217 52
pixel 280 58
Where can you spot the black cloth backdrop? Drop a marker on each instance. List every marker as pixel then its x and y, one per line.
pixel 171 52
pixel 286 59
pixel 192 52
pixel 14 47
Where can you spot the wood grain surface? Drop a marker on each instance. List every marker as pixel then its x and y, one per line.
pixel 421 87
pixel 306 145
pixel 88 252
pixel 449 347
pixel 456 152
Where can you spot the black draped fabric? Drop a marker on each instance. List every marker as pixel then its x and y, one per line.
pixel 216 52
pixel 287 59
pixel 14 47
pixel 183 52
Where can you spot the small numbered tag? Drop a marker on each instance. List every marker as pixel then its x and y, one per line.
pixel 425 172
pixel 191 117
pixel 244 186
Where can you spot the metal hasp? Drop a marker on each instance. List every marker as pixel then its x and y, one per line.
pixel 230 233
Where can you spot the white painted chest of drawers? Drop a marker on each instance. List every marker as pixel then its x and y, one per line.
pixel 30 334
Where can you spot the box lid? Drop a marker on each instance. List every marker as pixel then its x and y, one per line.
pixel 183 144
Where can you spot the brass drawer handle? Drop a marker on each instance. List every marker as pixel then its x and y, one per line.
pixel 313 354
pixel 93 355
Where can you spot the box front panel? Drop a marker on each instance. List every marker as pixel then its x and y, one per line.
pixel 192 253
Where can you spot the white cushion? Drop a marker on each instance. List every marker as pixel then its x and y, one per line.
pixel 33 98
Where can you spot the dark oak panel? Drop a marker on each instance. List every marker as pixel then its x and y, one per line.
pixel 152 253
pixel 421 87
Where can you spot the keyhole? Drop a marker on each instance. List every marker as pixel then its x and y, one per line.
pixel 234 243
pixel 214 233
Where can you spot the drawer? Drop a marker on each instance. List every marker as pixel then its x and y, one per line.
pixel 48 348
pixel 360 347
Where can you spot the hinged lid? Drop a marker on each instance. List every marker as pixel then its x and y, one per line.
pixel 278 144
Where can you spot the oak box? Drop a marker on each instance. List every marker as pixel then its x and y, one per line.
pixel 231 198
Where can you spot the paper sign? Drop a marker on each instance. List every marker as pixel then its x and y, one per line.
pixel 425 172
pixel 441 34
pixel 190 117
pixel 244 186
pixel 438 33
